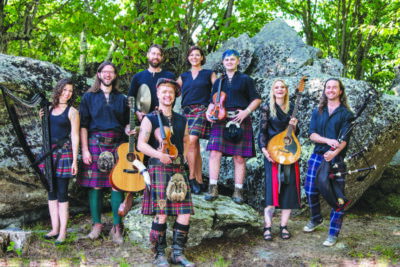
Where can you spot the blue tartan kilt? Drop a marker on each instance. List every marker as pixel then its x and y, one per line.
pixel 64 164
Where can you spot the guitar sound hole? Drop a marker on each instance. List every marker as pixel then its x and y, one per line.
pixel 130 157
pixel 287 140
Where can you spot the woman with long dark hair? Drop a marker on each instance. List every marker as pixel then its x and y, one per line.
pixel 64 131
pixel 275 118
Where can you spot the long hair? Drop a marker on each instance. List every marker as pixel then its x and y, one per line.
pixel 324 100
pixel 272 99
pixel 55 96
pixel 191 49
pixel 96 85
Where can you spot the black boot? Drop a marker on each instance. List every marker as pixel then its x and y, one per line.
pixel 159 245
pixel 194 186
pixel 178 245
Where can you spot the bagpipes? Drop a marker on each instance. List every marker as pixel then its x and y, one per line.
pixel 327 185
pixel 24 117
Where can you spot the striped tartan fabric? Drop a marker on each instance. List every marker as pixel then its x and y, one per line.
pixel 63 168
pixel 91 176
pixel 198 125
pixel 156 202
pixel 244 148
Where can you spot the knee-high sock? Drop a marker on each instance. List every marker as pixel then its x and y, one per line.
pixel 96 204
pixel 116 199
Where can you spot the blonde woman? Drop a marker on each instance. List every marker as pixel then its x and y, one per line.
pixel 275 117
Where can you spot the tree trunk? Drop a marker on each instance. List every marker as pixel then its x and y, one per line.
pixel 83 50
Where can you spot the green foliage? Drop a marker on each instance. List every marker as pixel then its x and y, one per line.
pixel 11 247
pixel 221 262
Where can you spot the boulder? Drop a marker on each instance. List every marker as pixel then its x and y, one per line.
pixel 24 198
pixel 211 220
pixel 280 53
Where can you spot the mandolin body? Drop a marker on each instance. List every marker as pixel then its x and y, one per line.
pixel 284 148
pixel 125 177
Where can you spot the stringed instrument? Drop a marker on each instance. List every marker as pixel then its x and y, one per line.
pixel 163 135
pixel 284 147
pixel 218 113
pixel 124 176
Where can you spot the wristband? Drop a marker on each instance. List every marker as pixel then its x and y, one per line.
pixel 248 110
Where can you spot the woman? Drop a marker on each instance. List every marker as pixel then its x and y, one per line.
pixel 275 118
pixel 196 88
pixel 64 131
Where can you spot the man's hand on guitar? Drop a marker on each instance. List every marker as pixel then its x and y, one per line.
pixel 128 131
pixel 266 154
pixel 293 121
pixel 86 157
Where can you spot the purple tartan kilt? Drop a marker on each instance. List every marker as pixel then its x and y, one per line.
pixel 63 168
pixel 91 176
pixel 244 148
pixel 198 125
pixel 159 181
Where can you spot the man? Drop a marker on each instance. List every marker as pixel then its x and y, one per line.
pixel 242 99
pixel 162 167
pixel 328 123
pixel 150 77
pixel 104 116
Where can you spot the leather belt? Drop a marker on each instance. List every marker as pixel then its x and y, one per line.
pixel 156 161
pixel 231 114
pixel 106 140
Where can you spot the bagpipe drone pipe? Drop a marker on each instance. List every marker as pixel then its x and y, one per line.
pixel 327 172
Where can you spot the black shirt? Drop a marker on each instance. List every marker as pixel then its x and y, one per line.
pixel 197 91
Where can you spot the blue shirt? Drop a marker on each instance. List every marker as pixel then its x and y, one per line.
pixel 240 91
pixel 97 115
pixel 197 91
pixel 332 127
pixel 150 79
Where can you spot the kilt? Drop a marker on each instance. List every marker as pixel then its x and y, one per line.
pixel 160 175
pixel 91 175
pixel 63 168
pixel 198 124
pixel 244 148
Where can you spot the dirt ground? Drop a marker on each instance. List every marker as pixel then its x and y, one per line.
pixel 365 240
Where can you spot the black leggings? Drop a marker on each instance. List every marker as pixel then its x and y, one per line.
pixel 60 190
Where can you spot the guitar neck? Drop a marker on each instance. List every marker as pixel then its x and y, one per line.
pixel 290 128
pixel 131 124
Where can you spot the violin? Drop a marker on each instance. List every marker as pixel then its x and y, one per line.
pixel 218 113
pixel 163 135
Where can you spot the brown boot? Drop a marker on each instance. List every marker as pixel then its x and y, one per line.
pixel 212 193
pixel 237 196
pixel 96 231
pixel 116 234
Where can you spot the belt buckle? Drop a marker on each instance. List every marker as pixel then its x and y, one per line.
pixel 108 140
pixel 231 114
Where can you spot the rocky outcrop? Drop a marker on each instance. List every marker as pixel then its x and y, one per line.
pixel 280 53
pixel 396 82
pixel 23 197
pixel 211 220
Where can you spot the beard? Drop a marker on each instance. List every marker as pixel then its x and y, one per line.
pixel 155 65
pixel 105 84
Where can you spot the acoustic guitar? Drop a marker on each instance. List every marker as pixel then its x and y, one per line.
pixel 124 176
pixel 284 147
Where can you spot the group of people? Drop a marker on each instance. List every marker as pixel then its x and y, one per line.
pixel 103 124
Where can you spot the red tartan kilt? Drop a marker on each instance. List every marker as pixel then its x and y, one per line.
pixel 198 124
pixel 91 175
pixel 160 175
pixel 64 166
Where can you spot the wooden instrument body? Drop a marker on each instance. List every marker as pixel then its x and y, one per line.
pixel 218 113
pixel 166 146
pixel 284 147
pixel 125 176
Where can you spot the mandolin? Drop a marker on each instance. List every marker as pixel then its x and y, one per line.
pixel 284 147
pixel 219 112
pixel 125 176
pixel 163 135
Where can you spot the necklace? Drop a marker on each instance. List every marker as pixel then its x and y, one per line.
pixel 170 120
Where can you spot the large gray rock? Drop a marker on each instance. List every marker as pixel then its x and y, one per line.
pixel 280 53
pixel 211 220
pixel 23 197
pixel 396 82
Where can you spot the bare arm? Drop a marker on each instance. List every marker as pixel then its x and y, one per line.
pixel 213 77
pixel 316 138
pixel 186 141
pixel 333 153
pixel 210 107
pixel 179 81
pixel 86 156
pixel 143 143
pixel 73 116
pixel 243 114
